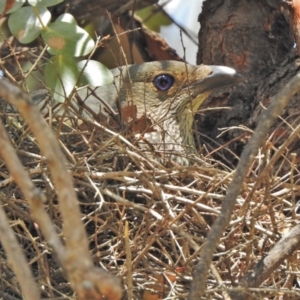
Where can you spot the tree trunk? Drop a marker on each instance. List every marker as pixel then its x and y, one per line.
pixel 256 39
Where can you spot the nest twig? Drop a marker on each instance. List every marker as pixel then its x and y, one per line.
pixel 147 223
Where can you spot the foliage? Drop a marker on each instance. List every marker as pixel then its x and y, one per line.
pixel 66 42
pixel 153 19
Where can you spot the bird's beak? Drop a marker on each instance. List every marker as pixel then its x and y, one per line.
pixel 220 77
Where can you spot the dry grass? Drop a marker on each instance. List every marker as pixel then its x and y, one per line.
pixel 146 223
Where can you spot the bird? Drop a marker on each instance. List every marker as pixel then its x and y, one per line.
pixel 163 95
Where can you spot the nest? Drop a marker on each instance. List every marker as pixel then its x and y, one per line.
pixel 146 222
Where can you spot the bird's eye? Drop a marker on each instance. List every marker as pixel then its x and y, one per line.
pixel 163 82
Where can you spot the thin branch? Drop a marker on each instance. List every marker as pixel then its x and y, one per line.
pixel 89 282
pixel 17 259
pixel 264 268
pixel 267 119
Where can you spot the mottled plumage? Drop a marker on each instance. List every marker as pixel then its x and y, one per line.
pixel 168 93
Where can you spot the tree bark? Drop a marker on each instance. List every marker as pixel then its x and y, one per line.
pixel 256 39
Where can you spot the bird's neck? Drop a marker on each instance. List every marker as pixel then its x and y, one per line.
pixel 173 139
pixel 186 132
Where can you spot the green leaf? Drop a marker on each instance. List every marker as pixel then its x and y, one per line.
pixel 68 18
pixel 2 6
pixel 94 73
pixel 25 25
pixel 61 75
pixel 44 3
pixel 153 19
pixel 16 5
pixel 67 39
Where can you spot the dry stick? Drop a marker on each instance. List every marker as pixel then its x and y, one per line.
pixel 87 281
pixel 17 260
pixel 128 262
pixel 270 164
pixel 264 268
pixel 35 199
pixel 266 120
pixel 32 194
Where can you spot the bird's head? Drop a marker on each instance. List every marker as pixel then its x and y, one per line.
pixel 163 95
pixel 169 93
pixel 171 88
